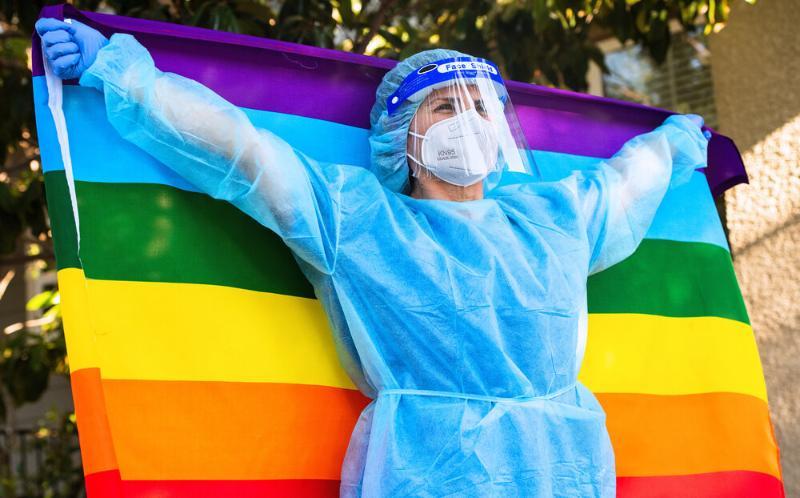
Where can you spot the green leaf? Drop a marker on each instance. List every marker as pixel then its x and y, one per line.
pixel 41 300
pixel 392 38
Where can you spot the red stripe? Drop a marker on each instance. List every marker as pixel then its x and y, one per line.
pixel 734 484
pixel 107 484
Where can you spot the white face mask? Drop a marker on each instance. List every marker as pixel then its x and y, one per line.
pixel 461 150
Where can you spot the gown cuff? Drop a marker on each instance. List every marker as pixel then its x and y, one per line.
pixel 120 60
pixel 689 145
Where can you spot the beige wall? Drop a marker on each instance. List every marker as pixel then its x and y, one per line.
pixel 756 71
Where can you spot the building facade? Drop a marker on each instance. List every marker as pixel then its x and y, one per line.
pixel 755 68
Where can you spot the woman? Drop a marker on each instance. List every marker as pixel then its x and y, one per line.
pixel 457 296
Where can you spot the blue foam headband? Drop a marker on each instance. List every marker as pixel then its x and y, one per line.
pixel 439 71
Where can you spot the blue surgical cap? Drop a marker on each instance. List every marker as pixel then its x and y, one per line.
pixel 388 134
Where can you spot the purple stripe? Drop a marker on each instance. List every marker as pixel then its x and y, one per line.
pixel 339 86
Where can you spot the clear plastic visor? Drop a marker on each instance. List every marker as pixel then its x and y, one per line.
pixel 465 131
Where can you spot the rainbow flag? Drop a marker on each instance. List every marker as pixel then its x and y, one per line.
pixel 202 364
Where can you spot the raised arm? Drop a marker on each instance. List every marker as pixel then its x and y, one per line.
pixel 209 141
pixel 619 199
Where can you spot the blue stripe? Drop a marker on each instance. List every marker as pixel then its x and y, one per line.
pixel 46 128
pixel 689 203
pixel 103 156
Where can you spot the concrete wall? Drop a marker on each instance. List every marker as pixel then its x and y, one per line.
pixel 756 71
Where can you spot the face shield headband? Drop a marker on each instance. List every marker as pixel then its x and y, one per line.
pixel 417 84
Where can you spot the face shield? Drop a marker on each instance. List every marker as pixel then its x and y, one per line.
pixel 465 129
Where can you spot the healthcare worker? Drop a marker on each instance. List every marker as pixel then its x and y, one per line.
pixel 455 286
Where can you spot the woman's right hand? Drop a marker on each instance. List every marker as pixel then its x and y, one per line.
pixel 69 47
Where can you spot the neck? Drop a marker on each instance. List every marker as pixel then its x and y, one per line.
pixel 434 188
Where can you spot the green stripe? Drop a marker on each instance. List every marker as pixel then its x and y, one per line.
pixel 158 233
pixel 155 233
pixel 62 222
pixel 665 277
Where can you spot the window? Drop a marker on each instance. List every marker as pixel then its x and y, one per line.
pixel 681 84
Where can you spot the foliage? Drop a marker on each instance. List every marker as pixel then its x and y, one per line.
pixel 60 473
pixel 50 465
pixel 28 357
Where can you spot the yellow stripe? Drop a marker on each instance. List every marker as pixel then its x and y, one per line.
pixel 77 328
pixel 165 331
pixel 632 353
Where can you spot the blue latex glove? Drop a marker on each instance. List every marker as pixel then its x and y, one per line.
pixel 69 47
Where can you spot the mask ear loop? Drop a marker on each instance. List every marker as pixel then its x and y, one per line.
pixel 420 137
pixel 414 159
pixel 408 154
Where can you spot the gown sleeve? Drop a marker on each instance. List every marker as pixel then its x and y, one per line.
pixel 619 199
pixel 213 144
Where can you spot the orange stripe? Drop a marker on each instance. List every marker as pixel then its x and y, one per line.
pixel 94 435
pixel 289 431
pixel 690 434
pixel 228 430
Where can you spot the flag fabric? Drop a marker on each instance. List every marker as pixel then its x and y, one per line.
pixel 202 364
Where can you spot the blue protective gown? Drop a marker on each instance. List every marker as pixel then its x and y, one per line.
pixel 465 321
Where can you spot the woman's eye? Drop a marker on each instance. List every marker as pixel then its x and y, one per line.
pixel 444 107
pixel 480 107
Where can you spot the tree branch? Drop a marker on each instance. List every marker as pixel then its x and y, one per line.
pixel 17 260
pixel 13 64
pixel 374 25
pixel 13 34
pixel 5 282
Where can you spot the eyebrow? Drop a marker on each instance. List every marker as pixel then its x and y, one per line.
pixel 453 99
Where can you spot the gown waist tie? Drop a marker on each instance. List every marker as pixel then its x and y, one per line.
pixel 477 397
